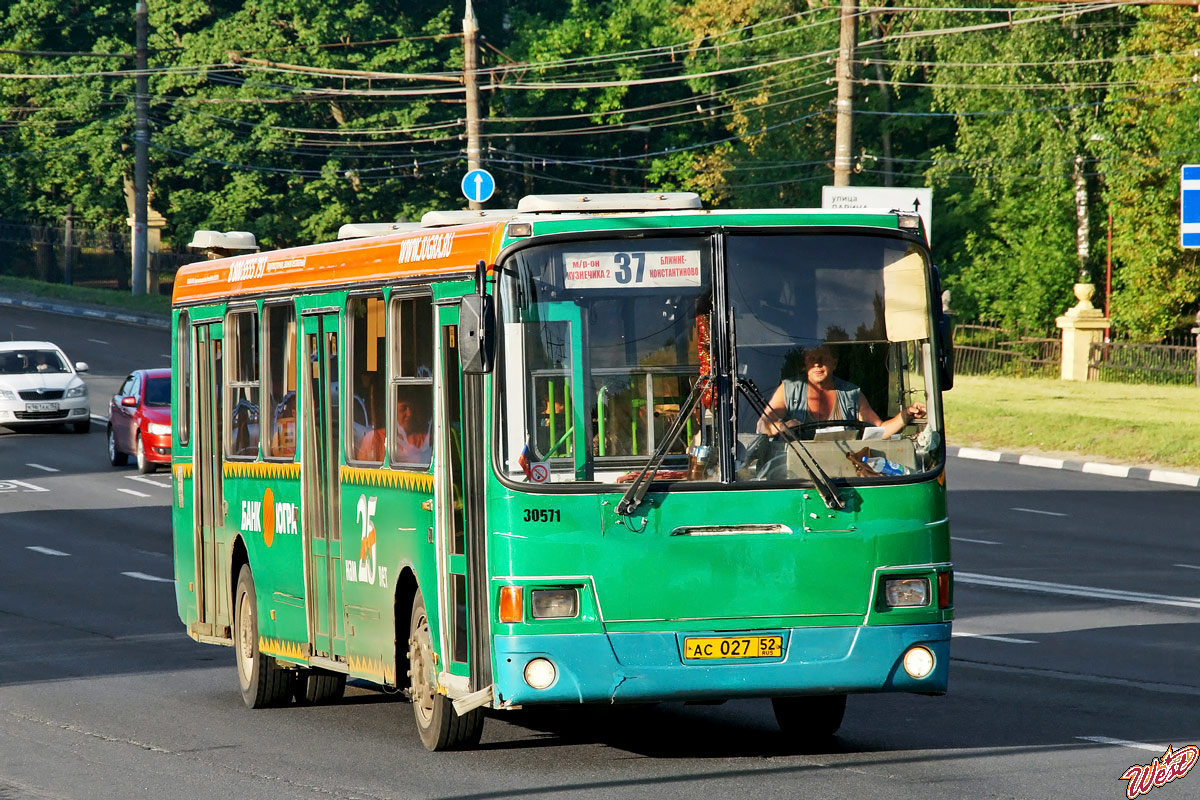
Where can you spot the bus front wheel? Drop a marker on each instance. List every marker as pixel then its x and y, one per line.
pixel 263 682
pixel 810 718
pixel 440 727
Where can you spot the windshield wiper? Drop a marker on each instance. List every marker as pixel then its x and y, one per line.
pixel 641 482
pixel 824 485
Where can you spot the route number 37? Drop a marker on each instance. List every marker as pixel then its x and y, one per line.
pixel 630 266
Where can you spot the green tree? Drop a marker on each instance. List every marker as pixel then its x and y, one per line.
pixel 1151 132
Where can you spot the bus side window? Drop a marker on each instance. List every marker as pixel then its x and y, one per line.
pixel 410 439
pixel 365 316
pixel 242 426
pixel 280 345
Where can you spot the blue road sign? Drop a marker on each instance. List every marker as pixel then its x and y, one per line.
pixel 478 185
pixel 1189 206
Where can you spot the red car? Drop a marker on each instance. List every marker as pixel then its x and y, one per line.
pixel 139 420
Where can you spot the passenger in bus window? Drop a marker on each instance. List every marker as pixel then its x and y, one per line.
pixel 413 444
pixel 820 397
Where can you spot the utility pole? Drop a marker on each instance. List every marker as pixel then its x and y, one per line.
pixel 69 245
pixel 844 132
pixel 470 65
pixel 141 157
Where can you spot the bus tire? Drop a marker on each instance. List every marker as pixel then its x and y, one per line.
pixel 811 718
pixel 263 682
pixel 440 727
pixel 319 686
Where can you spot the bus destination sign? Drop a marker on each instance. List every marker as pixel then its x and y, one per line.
pixel 632 270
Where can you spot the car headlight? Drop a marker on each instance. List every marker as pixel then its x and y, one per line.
pixel 5 394
pixel 76 391
pixel 158 430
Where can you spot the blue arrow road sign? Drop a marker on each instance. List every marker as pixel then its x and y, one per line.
pixel 1189 206
pixel 478 185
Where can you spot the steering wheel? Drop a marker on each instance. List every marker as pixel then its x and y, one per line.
pixel 808 429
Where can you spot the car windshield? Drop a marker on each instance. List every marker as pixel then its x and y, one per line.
pixel 29 362
pixel 818 346
pixel 158 392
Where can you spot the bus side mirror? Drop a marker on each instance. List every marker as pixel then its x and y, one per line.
pixel 944 331
pixel 476 334
pixel 945 352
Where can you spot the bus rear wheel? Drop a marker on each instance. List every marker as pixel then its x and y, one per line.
pixel 263 682
pixel 811 718
pixel 440 727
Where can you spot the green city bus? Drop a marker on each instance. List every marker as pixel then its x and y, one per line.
pixel 532 456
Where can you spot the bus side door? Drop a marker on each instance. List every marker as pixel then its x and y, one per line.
pixel 212 584
pixel 461 538
pixel 319 485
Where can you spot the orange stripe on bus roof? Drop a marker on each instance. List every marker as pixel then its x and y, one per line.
pixel 431 251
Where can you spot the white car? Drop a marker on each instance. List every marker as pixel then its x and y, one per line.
pixel 38 386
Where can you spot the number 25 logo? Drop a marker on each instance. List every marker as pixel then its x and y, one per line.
pixel 366 552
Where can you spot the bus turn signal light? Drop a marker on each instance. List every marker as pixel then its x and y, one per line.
pixel 943 589
pixel 511 609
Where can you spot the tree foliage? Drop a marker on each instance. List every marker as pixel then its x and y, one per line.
pixel 292 117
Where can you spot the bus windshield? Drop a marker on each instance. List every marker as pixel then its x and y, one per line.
pixel 818 347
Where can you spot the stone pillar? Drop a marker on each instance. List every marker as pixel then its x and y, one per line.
pixel 155 222
pixel 1082 326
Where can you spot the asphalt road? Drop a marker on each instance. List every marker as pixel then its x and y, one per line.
pixel 1076 657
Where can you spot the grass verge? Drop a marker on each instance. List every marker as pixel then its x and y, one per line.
pixel 84 295
pixel 1138 424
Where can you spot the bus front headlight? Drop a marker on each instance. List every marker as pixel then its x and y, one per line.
pixel 540 673
pixel 918 662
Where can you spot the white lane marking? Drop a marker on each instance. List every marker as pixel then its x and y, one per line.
pixel 141 576
pixel 972 541
pixel 1077 591
pixel 46 551
pixel 7 486
pixel 151 481
pixel 1041 461
pixel 1187 566
pixel 42 467
pixel 27 327
pixel 1111 470
pixel 1036 511
pixel 1153 748
pixel 98 341
pixel 978 455
pixel 132 492
pixel 1008 639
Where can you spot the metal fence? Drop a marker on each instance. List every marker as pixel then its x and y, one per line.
pixel 1175 361
pixel 92 257
pixel 994 350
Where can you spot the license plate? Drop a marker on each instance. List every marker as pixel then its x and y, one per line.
pixel 41 406
pixel 733 647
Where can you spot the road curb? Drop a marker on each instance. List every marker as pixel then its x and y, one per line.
pixel 1090 467
pixel 146 320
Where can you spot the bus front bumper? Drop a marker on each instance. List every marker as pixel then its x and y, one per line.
pixel 639 667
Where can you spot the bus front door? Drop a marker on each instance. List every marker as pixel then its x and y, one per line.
pixel 322 540
pixel 461 540
pixel 212 585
